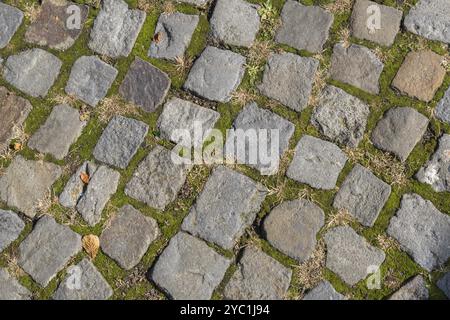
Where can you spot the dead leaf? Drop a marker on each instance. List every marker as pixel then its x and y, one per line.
pixel 91 244
pixel 158 37
pixel 17 146
pixel 85 177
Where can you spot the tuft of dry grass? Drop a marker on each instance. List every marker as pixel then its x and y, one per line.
pixel 243 97
pixel 382 55
pixel 169 7
pixel 183 64
pixel 31 11
pixel 13 266
pixel 320 81
pixel 310 272
pixel 339 6
pixel 344 37
pixel 278 191
pixel 259 52
pixel 340 217
pixel 145 5
pixel 112 106
pixel 64 99
pixel 44 205
pixel 386 243
pixel 307 194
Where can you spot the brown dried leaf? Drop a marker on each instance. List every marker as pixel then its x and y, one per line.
pixel 91 244
pixel 158 37
pixel 85 177
pixel 17 146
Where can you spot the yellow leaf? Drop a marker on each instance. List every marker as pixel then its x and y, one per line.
pixel 84 177
pixel 17 146
pixel 91 244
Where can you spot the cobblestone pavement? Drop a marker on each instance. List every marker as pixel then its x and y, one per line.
pixel 93 205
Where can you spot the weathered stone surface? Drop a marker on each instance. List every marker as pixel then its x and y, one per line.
pixel 227 205
pixel 10 20
pixel 102 185
pixel 90 286
pixel 32 71
pixel 363 195
pixel 292 226
pixel 323 291
pixel 304 27
pixel 216 74
pixel 145 85
pixel 75 187
pixel 350 256
pixel 430 19
pixel 388 28
pixel 422 230
pixel 188 269
pixel 62 128
pixel 444 284
pixel 420 75
pixel 47 249
pixel 317 163
pixel 200 3
pixel 116 29
pixel 442 111
pixel 55 26
pixel 184 115
pixel 174 33
pixel 341 117
pixel 253 119
pixel 10 228
pixel 357 66
pixel 158 179
pixel 10 288
pixel 399 131
pixel 26 182
pixel 259 277
pixel 120 141
pixel 436 171
pixel 90 79
pixel 128 236
pixel 415 289
pixel 288 79
pixel 235 22
pixel 14 111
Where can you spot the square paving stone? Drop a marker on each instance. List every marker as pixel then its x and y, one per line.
pixel 304 27
pixel 399 131
pixel 184 115
pixel 292 228
pixel 11 289
pixel 10 20
pixel 259 277
pixel 253 119
pixel 90 79
pixel 89 286
pixel 430 19
pixel 444 284
pixel 357 66
pixel 442 111
pixel 56 26
pixel 75 187
pixel 363 194
pixel 158 179
pixel 420 75
pixel 102 185
pixel 323 291
pixel 288 78
pixel 62 128
pixel 188 269
pixel 422 230
pixel 350 256
pixel 317 163
pixel 436 171
pixel 116 29
pixel 120 141
pixel 14 111
pixel 227 205
pixel 216 74
pixel 173 33
pixel 32 71
pixel 25 183
pixel 10 228
pixel 390 19
pixel 47 249
pixel 145 85
pixel 341 117
pixel 235 22
pixel 128 236
pixel 414 289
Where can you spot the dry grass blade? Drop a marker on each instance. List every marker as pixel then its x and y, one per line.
pixel 339 6
pixel 386 243
pixel 31 11
pixel 243 97
pixel 344 36
pixel 112 106
pixel 183 64
pixel 339 218
pixel 310 272
pixel 91 244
